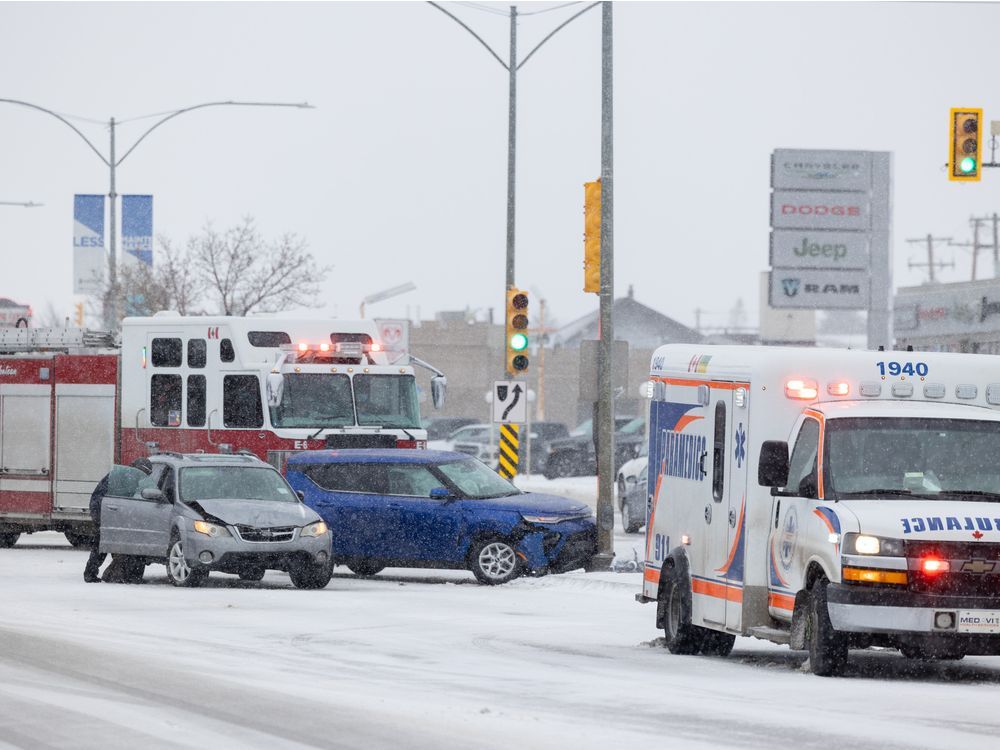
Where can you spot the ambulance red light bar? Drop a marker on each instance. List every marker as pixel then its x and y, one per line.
pixel 838 388
pixel 802 389
pixel 375 347
pixel 932 566
pixel 303 346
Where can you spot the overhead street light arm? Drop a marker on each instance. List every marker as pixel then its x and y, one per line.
pixel 62 120
pixel 461 23
pixel 28 204
pixel 554 31
pixel 172 115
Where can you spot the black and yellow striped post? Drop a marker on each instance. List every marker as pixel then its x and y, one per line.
pixel 509 450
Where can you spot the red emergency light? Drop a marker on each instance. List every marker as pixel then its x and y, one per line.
pixel 838 388
pixel 802 389
pixel 932 566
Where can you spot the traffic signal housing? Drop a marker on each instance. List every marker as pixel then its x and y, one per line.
pixel 964 163
pixel 517 332
pixel 592 236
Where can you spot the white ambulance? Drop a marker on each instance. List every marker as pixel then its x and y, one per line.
pixel 825 499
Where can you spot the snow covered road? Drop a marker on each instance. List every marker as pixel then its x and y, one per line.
pixel 415 659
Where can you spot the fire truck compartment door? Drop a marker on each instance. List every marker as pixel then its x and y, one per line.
pixel 24 430
pixel 85 447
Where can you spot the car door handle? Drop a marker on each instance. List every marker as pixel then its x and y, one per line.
pixel 395 505
pixel 111 507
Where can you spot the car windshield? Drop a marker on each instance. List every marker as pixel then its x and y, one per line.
pixel 234 483
pixel 387 401
pixel 314 400
pixel 475 480
pixel 584 429
pixel 637 425
pixel 935 458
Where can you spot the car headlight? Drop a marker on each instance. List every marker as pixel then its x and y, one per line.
pixel 319 528
pixel 210 529
pixel 866 544
pixel 543 519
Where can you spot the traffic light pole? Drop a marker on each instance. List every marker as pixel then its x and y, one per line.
pixel 511 145
pixel 605 412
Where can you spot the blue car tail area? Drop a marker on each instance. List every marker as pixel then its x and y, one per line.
pixel 549 534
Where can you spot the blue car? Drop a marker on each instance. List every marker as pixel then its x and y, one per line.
pixel 439 509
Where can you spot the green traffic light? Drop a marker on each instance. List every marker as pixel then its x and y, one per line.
pixel 968 164
pixel 518 342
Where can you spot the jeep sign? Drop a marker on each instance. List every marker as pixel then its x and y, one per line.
pixel 803 248
pixel 793 288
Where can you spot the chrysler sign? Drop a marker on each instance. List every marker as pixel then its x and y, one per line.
pixel 794 169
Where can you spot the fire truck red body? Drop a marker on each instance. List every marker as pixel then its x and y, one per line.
pixel 73 403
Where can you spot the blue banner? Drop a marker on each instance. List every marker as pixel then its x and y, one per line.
pixel 89 260
pixel 137 227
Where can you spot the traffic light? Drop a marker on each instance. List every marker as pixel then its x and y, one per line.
pixel 78 314
pixel 592 236
pixel 517 331
pixel 966 145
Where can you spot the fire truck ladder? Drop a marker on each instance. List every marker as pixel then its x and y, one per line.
pixel 14 340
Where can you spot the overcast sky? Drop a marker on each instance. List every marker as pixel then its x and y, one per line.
pixel 400 173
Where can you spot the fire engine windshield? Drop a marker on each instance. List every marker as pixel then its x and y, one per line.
pixel 387 401
pixel 945 459
pixel 314 400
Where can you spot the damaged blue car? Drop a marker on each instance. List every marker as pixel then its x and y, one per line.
pixel 439 509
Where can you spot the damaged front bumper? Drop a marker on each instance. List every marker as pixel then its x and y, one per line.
pixel 558 547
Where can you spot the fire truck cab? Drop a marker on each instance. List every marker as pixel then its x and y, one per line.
pixel 824 499
pixel 73 403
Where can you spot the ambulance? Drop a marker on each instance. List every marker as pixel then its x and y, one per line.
pixel 824 499
pixel 75 402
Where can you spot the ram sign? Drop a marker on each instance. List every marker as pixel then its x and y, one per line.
pixel 819 289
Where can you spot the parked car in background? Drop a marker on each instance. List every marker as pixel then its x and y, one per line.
pixel 470 433
pixel 575 456
pixel 200 513
pixel 632 494
pixel 542 434
pixel 479 440
pixel 439 509
pixel 439 428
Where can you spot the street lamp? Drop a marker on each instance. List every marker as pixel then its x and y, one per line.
pixel 395 291
pixel 23 204
pixel 112 162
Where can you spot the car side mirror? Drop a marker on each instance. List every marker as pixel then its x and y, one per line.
pixel 439 387
pixel 441 493
pixel 153 493
pixel 772 468
pixel 275 387
pixel 301 494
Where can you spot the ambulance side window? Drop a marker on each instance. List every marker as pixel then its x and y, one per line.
pixel 226 351
pixel 196 401
pixel 197 353
pixel 241 406
pixel 719 453
pixel 802 467
pixel 165 400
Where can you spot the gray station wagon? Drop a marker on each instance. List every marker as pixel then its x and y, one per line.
pixel 199 513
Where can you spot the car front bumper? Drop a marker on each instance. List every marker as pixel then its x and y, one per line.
pixel 230 554
pixel 558 547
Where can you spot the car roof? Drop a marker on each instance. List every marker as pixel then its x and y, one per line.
pixel 376 456
pixel 209 459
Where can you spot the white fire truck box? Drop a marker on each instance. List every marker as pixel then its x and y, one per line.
pixel 825 499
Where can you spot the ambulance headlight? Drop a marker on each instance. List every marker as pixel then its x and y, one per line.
pixel 866 544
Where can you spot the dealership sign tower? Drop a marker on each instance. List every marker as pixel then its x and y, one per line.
pixel 831 219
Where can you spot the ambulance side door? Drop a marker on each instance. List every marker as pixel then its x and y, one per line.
pixel 789 517
pixel 710 581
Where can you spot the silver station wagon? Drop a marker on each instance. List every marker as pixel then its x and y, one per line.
pixel 199 513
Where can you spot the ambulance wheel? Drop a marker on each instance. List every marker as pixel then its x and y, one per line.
pixel 680 636
pixel 9 539
pixel 827 647
pixel 717 644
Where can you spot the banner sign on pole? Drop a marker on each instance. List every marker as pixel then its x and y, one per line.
pixel 137 228
pixel 89 259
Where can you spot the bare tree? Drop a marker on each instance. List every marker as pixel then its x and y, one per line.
pixel 246 273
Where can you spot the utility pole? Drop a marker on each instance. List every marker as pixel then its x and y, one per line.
pixel 994 219
pixel 697 319
pixel 931 264
pixel 975 244
pixel 605 427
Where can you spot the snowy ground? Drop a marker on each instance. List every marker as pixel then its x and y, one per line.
pixel 428 659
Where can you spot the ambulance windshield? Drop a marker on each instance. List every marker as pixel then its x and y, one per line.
pixel 314 400
pixel 944 459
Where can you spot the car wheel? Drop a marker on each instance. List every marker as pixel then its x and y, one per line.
pixel 178 571
pixel 364 568
pixel 680 636
pixel 630 523
pixel 252 574
pixel 827 647
pixel 9 539
pixel 79 540
pixel 494 561
pixel 309 576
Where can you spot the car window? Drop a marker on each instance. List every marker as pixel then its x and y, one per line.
pixel 585 429
pixel 123 481
pixel 151 480
pixel 349 477
pixel 411 479
pixel 634 427
pixel 474 479
pixel 234 483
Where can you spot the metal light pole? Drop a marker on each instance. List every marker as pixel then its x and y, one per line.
pixel 112 162
pixel 606 410
pixel 512 66
pixel 395 291
pixel 23 204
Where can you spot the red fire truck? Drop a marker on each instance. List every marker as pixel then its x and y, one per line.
pixel 75 402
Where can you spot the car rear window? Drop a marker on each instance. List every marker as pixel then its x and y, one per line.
pixel 344 477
